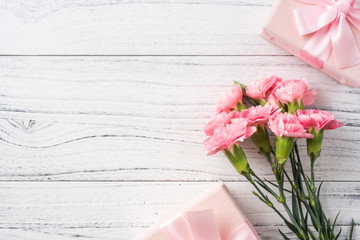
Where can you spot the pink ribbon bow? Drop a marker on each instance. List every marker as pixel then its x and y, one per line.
pixel 328 20
pixel 201 225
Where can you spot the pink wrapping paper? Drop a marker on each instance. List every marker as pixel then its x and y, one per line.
pixel 281 30
pixel 229 217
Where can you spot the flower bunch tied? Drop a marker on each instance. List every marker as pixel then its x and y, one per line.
pixel 277 106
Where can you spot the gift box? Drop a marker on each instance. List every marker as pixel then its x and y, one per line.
pixel 323 33
pixel 213 215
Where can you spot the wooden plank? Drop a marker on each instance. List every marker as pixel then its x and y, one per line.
pixel 171 27
pixel 69 151
pixel 156 88
pixel 121 233
pixel 125 120
pixel 121 210
pixel 133 118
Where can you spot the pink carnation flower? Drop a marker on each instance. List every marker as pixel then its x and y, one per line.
pixel 262 88
pixel 290 91
pixel 288 125
pixel 313 118
pixel 226 136
pixel 218 120
pixel 230 99
pixel 257 115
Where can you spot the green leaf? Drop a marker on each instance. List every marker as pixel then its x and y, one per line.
pixel 261 199
pixel 338 235
pixel 312 216
pixel 333 225
pixel 351 229
pixel 292 227
pixel 318 191
pixel 295 207
pixel 328 227
pixel 277 186
pixel 283 235
pixel 312 235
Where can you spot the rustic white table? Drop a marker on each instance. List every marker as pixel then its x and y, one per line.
pixel 102 106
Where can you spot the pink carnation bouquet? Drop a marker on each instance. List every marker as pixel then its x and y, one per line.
pixel 277 105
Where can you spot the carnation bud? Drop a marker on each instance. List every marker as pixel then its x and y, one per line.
pixel 314 144
pixel 238 159
pixel 261 140
pixel 283 147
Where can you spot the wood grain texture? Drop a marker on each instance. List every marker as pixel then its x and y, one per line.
pixel 155 87
pixel 100 146
pixel 122 210
pixel 49 151
pixel 133 118
pixel 180 27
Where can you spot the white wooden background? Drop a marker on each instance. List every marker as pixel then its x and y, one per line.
pixel 102 106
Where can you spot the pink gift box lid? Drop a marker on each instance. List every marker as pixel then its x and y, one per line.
pixel 228 214
pixel 281 30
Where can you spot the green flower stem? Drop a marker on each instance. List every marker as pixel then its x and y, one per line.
pixel 266 200
pixel 297 166
pixel 307 185
pixel 316 213
pixel 282 200
pixel 318 216
pixel 305 196
pixel 263 185
pixel 300 197
pixel 281 188
pixel 312 182
pixel 279 172
pixel 294 224
pixel 271 163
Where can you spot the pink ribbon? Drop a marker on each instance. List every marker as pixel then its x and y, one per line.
pixel 328 20
pixel 201 225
